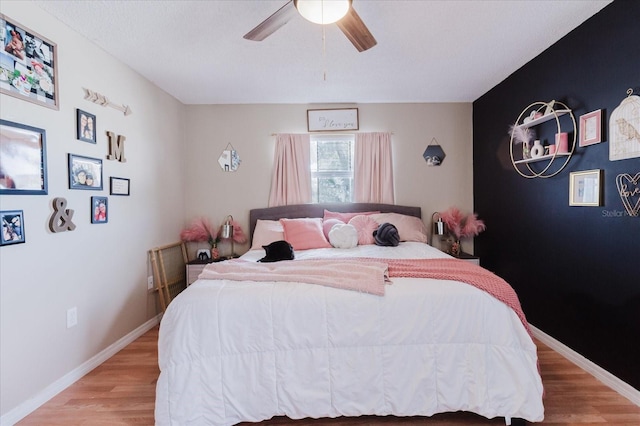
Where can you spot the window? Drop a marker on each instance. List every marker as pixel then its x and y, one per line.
pixel 332 168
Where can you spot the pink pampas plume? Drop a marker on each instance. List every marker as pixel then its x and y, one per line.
pixel 238 234
pixel 521 134
pixel 200 230
pixel 462 226
pixel 453 217
pixel 472 226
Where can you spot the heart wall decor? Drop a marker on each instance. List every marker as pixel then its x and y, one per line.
pixel 629 190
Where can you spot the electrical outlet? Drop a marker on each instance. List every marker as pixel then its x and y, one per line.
pixel 72 317
pixel 150 282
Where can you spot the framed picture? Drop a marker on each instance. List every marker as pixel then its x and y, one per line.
pixel 585 188
pixel 85 172
pixel 99 210
pixel 332 120
pixel 591 128
pixel 28 64
pixel 85 126
pixel 23 159
pixel 119 186
pixel 12 227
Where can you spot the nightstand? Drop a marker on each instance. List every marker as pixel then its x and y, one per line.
pixel 469 258
pixel 195 267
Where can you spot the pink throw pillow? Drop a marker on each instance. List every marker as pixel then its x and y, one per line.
pixel 344 217
pixel 266 232
pixel 328 224
pixel 410 228
pixel 365 225
pixel 304 233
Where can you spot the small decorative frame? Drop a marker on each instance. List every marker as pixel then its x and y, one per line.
pixel 23 159
pixel 85 173
pixel 12 227
pixel 585 188
pixel 85 126
pixel 624 129
pixel 203 254
pixel 28 64
pixel 434 154
pixel 99 210
pixel 591 128
pixel 119 186
pixel 332 120
pixel 229 160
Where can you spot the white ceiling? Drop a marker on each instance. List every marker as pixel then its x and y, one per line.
pixel 427 51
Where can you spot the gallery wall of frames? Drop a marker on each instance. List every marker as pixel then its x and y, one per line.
pixel 29 71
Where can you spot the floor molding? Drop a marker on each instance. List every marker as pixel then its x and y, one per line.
pixel 623 388
pixel 29 406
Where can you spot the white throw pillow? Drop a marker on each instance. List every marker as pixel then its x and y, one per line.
pixel 343 236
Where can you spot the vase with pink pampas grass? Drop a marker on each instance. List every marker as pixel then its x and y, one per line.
pixel 460 225
pixel 200 230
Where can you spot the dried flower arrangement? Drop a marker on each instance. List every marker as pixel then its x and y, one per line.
pixel 201 230
pixel 460 225
pixel 522 134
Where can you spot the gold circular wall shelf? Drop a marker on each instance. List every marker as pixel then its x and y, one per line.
pixel 549 112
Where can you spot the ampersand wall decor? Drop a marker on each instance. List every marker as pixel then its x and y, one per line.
pixel 61 218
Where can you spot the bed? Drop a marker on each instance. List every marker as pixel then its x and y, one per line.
pixel 234 349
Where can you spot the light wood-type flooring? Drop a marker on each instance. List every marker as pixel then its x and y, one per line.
pixel 121 391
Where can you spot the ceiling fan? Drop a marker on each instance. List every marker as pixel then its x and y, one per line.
pixel 320 12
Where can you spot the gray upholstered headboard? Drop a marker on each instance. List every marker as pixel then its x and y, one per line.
pixel 317 210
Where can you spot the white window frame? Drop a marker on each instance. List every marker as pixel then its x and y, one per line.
pixel 315 174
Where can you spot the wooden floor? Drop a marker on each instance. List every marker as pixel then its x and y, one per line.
pixel 122 391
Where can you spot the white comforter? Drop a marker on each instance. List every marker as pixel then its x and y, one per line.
pixel 247 351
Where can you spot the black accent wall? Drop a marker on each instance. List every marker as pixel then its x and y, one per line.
pixel 575 269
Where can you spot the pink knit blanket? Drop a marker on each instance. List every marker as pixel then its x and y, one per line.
pixel 456 270
pixel 367 277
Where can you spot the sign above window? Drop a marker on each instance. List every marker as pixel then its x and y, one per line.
pixel 332 120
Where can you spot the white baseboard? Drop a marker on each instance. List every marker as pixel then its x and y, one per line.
pixel 29 406
pixel 624 389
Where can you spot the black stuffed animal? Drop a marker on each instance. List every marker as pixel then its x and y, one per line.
pixel 278 250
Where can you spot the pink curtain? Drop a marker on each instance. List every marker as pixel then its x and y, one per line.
pixel 291 181
pixel 373 180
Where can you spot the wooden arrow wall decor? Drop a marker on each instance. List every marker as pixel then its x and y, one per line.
pixel 100 99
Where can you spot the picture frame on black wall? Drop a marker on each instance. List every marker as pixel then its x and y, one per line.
pixel 591 128
pixel 585 188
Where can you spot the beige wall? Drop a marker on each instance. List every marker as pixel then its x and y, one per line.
pixel 215 194
pixel 171 152
pixel 100 269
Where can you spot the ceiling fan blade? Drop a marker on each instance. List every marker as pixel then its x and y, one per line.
pixel 356 31
pixel 272 23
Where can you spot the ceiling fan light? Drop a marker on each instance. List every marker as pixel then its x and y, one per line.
pixel 323 11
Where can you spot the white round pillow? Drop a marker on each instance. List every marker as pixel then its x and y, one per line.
pixel 343 236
